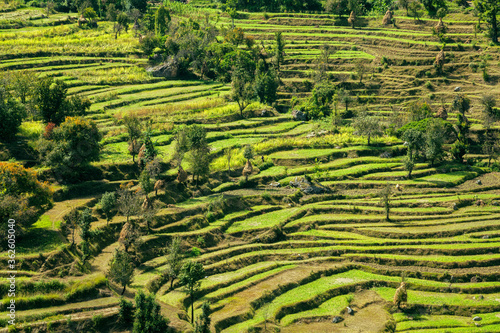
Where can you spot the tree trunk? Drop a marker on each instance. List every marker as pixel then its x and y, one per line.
pixel 172 283
pixel 123 291
pixel 368 139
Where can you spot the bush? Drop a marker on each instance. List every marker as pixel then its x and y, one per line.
pixel 422 127
pixel 126 312
pixel 194 252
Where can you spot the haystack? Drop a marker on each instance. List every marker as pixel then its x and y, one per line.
pixel 387 18
pixel 141 155
pixel 146 204
pixel 159 185
pixel 352 19
pixel 181 175
pixel 82 20
pixel 401 296
pixel 440 59
pixel 441 113
pixel 440 27
pixel 247 170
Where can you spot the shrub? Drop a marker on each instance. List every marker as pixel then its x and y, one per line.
pixel 194 252
pixel 126 312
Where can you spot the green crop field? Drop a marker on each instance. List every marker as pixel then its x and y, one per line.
pixel 231 166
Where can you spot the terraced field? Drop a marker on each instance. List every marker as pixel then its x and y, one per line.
pixel 275 257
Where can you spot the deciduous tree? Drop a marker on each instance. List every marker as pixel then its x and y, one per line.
pixel 148 317
pixel 366 125
pixel 488 11
pixel 121 269
pixel 191 274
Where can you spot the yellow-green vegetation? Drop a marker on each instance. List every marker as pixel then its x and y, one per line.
pixel 294 216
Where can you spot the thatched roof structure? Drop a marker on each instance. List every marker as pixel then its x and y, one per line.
pixel 387 18
pixel 247 170
pixel 82 20
pixel 401 295
pixel 352 19
pixel 159 185
pixel 441 113
pixel 440 59
pixel 440 27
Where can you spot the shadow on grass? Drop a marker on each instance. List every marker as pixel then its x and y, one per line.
pixel 39 240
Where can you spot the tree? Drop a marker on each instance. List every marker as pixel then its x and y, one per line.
pixel 91 16
pixel 71 221
pixel 403 4
pixel 385 199
pixel 22 197
pixel 181 144
pixel 23 83
pixel 191 274
pixel 413 141
pixel 84 223
pixel 419 110
pixel 174 260
pixel 162 19
pixel 134 130
pixel 490 143
pixel 140 5
pixel 149 213
pixel 108 205
pixel 200 162
pixel 77 105
pixel 128 202
pixel 148 316
pixel 337 7
pixel 231 10
pixel 112 12
pixel 366 125
pixel 488 11
pixel 242 91
pixel 121 269
pixel 203 322
pixel 432 6
pixel 345 98
pixel 11 115
pixel 248 152
pixel 148 152
pixel 50 99
pixel 198 150
pixel 126 312
pixel 147 185
pixel 279 52
pixel 434 140
pixel 461 103
pixel 360 70
pixel 415 9
pixel 488 102
pixel 123 20
pixel 321 98
pixel 266 84
pixel 441 13
pixel 72 146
